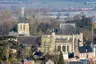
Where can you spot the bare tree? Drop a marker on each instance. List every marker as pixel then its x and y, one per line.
pixel 45 12
pixel 6 22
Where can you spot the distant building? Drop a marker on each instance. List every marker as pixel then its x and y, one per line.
pixel 64 25
pixel 68 14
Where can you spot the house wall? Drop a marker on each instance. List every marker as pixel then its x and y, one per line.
pixel 49 62
pixel 86 55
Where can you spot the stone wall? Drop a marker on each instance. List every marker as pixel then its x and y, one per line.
pixel 49 41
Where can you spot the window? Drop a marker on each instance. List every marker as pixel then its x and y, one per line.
pixel 59 48
pixel 46 47
pixel 20 27
pixel 24 27
pixel 67 48
pixel 63 48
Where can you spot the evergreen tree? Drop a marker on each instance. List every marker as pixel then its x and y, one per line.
pixel 61 59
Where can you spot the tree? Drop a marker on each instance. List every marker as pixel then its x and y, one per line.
pixel 83 25
pixel 61 59
pixel 58 15
pixel 5 47
pixel 69 29
pixel 45 10
pixel 24 52
pixel 6 22
pixel 4 50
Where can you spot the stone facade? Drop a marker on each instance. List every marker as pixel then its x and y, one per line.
pixel 23 25
pixel 64 43
pixel 23 28
pixel 86 55
pixel 48 42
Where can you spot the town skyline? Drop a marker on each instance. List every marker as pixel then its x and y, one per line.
pixel 47 32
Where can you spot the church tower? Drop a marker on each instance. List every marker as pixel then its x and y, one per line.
pixel 23 25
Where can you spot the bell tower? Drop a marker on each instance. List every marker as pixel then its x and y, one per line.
pixel 23 25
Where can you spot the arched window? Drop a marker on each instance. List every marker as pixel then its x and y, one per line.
pixel 64 48
pixel 20 27
pixel 67 48
pixel 59 48
pixel 24 27
pixel 46 47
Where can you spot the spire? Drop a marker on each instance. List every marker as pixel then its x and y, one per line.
pixel 23 17
pixel 22 11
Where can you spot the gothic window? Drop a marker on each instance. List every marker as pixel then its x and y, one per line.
pixel 24 27
pixel 20 27
pixel 75 43
pixel 67 48
pixel 46 47
pixel 63 48
pixel 59 48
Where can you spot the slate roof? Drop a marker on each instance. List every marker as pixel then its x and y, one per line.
pixel 87 46
pixel 83 49
pixel 38 53
pixel 31 40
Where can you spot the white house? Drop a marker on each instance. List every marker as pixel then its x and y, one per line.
pixel 49 62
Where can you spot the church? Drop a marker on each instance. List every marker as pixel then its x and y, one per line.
pixel 65 43
pixel 52 43
pixel 23 25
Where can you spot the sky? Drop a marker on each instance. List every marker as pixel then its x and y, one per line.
pixel 54 3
